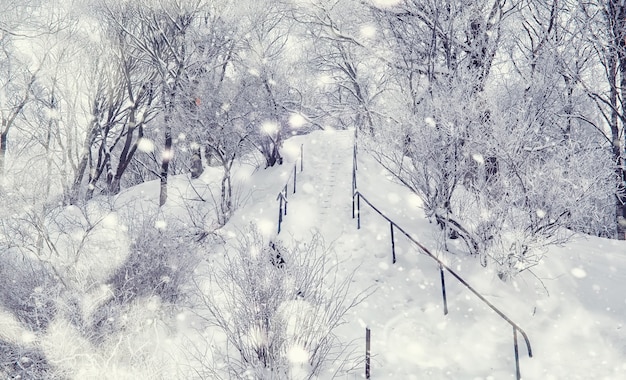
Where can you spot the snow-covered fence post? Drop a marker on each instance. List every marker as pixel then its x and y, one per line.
pixel 280 213
pixel 367 352
pixel 353 189
pixel 354 156
pixel 284 192
pixel 301 157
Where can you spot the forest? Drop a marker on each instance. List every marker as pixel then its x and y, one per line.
pixel 506 118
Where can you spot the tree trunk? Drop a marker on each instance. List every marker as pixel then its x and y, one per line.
pixel 125 157
pixel 165 163
pixel 226 203
pixel 4 137
pixel 196 164
pixel 617 73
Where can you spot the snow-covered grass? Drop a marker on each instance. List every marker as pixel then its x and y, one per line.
pixel 572 304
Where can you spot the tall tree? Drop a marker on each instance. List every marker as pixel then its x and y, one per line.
pixel 17 75
pixel 159 35
pixel 501 158
pixel 607 23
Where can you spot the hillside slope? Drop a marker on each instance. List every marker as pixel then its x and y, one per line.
pixel 572 306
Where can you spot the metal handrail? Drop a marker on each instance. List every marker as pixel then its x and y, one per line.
pixel 354 168
pixel 282 195
pixel 442 266
pixel 393 225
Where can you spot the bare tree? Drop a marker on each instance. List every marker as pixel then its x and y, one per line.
pixel 473 142
pixel 123 103
pixel 265 30
pixel 345 54
pixel 607 30
pixel 278 307
pixel 16 84
pixel 442 58
pixel 159 36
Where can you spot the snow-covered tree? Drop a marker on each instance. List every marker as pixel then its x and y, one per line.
pixel 18 72
pixel 606 28
pixel 343 48
pixel 123 103
pixel 278 307
pixel 159 37
pixel 219 115
pixel 498 156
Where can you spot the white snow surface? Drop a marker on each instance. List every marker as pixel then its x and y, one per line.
pixel 572 306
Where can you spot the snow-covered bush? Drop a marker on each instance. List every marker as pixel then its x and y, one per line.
pixel 23 362
pixel 85 280
pixel 159 263
pixel 278 307
pixel 29 292
pixel 27 307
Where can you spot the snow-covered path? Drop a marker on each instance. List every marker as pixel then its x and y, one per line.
pixel 410 336
pixel 323 199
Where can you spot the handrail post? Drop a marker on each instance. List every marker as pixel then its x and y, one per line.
pixel 358 211
pixel 295 175
pixel 367 352
pixel 301 157
pixel 516 349
pixel 393 245
pixel 443 290
pixel 286 205
pixel 280 213
pixel 353 190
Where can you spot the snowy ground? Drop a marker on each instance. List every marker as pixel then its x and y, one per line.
pixel 572 306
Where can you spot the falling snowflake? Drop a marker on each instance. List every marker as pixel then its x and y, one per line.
pixel 478 158
pixel 145 145
pixel 296 120
pixel 297 354
pixel 269 127
pixel 579 273
pixel 368 31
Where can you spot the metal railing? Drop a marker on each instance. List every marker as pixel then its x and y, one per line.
pixel 282 195
pixel 354 167
pixel 356 212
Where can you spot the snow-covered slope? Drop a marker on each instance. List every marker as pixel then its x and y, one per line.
pixel 572 306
